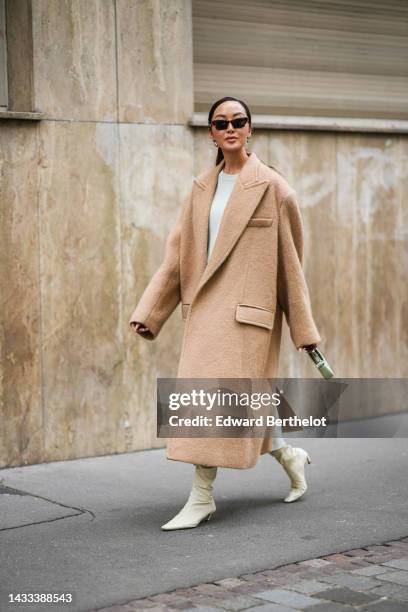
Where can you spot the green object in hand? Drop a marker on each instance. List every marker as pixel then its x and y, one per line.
pixel 320 362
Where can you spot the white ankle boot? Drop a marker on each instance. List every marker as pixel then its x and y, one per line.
pixel 293 461
pixel 200 504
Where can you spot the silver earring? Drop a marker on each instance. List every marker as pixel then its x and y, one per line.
pixel 215 144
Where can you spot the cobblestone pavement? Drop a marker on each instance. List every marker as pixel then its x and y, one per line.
pixel 370 579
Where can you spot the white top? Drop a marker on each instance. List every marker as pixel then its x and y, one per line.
pixel 222 193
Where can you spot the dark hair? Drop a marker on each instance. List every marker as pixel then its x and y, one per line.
pixel 220 154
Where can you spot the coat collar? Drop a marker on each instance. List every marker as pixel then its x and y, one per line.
pixel 245 197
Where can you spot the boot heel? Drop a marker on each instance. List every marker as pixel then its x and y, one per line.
pixel 309 459
pixel 209 516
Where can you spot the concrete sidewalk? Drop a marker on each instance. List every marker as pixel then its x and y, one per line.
pixel 91 527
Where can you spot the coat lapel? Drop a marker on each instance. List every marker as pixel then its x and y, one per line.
pixel 245 196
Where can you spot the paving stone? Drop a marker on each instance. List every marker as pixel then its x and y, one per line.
pixel 283 573
pixel 203 609
pixel 308 587
pixel 393 591
pixel 398 552
pixel 309 574
pixel 332 606
pixel 318 574
pixel 387 605
pixel 250 589
pixel 143 604
pixel 353 582
pixel 166 598
pixel 398 544
pixel 315 562
pixel 208 587
pixel 238 602
pixel 271 607
pixel 276 571
pixel 155 608
pixel 258 577
pixel 336 557
pixel 378 559
pixel 227 594
pixel 131 607
pixel 398 577
pixel 293 568
pixel 358 562
pixel 137 608
pixel 228 583
pixel 273 572
pixel 282 580
pixel 298 577
pixel 288 598
pixel 233 602
pixel 205 601
pixel 378 548
pixel 356 552
pixel 347 596
pixel 397 563
pixel 185 592
pixel 394 553
pixel 370 570
pixel 345 562
pixel 327 570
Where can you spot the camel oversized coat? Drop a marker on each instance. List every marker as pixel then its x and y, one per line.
pixel 232 307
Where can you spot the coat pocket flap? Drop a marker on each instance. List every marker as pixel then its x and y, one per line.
pixel 256 315
pixel 260 221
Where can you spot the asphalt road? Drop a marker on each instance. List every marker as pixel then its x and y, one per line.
pixel 91 527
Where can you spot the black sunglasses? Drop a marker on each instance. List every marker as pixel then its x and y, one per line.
pixel 222 124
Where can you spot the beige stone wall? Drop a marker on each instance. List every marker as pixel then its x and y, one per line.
pixel 87 199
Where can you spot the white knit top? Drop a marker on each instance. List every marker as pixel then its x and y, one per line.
pixel 222 193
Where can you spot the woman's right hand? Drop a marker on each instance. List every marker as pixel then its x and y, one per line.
pixel 139 328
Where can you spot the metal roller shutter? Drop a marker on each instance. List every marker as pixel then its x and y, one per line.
pixel 329 58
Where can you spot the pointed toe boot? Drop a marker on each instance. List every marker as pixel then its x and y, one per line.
pixel 293 461
pixel 200 505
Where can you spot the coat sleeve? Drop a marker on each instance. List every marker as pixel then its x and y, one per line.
pixel 292 291
pixel 162 294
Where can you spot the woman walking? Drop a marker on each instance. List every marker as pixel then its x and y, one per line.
pixel 234 261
